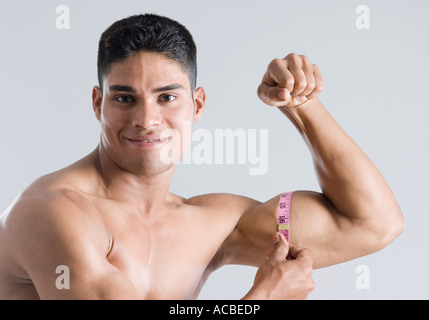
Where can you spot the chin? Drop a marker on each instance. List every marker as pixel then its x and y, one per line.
pixel 148 168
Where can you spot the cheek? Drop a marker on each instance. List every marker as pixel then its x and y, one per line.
pixel 180 126
pixel 180 115
pixel 112 121
pixel 182 121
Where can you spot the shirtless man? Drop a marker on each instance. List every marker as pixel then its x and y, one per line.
pixel 111 219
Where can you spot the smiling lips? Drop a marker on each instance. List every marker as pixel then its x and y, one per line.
pixel 143 141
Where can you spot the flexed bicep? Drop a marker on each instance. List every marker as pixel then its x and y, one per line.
pixel 314 223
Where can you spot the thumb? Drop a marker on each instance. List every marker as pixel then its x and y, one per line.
pixel 281 247
pixel 273 95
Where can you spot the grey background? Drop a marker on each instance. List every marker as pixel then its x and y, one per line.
pixel 375 86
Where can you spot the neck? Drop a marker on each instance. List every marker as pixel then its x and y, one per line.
pixel 147 194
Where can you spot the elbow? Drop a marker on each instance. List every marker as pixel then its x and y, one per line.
pixel 387 230
pixel 399 225
pixel 393 231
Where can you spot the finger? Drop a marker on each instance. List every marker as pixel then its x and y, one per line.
pixel 281 248
pixel 307 68
pixel 303 255
pixel 279 74
pixel 276 238
pixel 319 83
pixel 300 82
pixel 273 95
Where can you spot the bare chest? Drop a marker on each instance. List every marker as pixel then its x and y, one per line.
pixel 167 259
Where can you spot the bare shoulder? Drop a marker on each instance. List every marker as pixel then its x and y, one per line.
pixel 54 196
pixel 48 197
pixel 44 214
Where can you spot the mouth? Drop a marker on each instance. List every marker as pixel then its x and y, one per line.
pixel 148 141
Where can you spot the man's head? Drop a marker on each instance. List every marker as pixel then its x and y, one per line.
pixel 147 101
pixel 149 33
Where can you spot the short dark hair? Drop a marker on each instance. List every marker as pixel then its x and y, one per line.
pixel 149 33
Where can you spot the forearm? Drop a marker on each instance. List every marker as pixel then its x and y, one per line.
pixel 347 177
pixel 255 294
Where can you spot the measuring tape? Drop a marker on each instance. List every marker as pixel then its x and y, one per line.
pixel 283 216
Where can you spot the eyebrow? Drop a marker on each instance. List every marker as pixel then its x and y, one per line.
pixel 118 87
pixel 174 86
pixel 169 87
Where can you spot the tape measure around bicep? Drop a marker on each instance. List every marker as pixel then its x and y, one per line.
pixel 283 216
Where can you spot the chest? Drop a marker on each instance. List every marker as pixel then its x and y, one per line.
pixel 167 259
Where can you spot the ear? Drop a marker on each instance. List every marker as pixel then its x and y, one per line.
pixel 97 99
pixel 199 103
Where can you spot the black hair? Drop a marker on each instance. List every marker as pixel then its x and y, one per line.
pixel 149 33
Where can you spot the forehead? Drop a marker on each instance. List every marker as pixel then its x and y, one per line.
pixel 147 69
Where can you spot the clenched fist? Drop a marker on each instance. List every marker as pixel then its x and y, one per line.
pixel 290 82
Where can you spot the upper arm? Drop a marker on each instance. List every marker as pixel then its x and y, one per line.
pixel 314 224
pixel 58 235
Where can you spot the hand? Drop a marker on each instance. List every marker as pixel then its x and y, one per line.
pixel 280 279
pixel 290 82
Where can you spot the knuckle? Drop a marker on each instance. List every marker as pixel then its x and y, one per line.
pixel 301 84
pixel 298 60
pixel 305 59
pixel 260 91
pixel 318 89
pixel 292 56
pixel 311 285
pixel 311 85
pixel 275 62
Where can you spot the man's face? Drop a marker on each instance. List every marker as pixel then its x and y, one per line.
pixel 146 113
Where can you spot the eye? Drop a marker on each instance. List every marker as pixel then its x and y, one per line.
pixel 167 98
pixel 124 99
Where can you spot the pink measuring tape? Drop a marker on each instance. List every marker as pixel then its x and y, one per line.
pixel 283 216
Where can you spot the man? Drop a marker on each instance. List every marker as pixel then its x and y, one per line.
pixel 111 221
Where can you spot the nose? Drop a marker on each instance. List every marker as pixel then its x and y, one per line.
pixel 146 116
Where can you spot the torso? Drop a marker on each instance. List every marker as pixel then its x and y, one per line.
pixel 166 258
pixel 170 258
